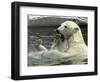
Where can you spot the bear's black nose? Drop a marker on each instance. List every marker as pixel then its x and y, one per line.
pixel 57 31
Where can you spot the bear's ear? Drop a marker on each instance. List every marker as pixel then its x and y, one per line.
pixel 76 29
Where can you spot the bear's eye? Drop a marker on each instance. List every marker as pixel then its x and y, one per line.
pixel 65 26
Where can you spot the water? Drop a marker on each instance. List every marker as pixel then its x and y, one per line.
pixel 35 59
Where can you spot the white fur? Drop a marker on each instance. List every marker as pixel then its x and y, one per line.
pixel 38 46
pixel 75 38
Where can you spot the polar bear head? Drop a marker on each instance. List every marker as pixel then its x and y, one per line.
pixel 70 30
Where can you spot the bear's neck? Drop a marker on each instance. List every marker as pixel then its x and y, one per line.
pixel 76 38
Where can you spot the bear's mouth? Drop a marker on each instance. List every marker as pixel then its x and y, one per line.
pixel 61 35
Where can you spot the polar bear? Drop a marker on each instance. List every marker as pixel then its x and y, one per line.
pixel 75 48
pixel 72 32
